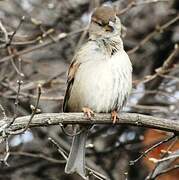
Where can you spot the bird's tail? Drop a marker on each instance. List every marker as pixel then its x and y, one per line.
pixel 76 158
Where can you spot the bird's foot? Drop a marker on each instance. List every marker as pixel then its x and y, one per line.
pixel 88 112
pixel 115 116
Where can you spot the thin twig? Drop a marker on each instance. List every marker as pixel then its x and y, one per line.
pixel 166 65
pixel 41 156
pixel 4 160
pixel 65 156
pixel 34 111
pixel 158 29
pixel 14 33
pixel 26 95
pixel 3 112
pixel 4 31
pixel 13 63
pixel 167 170
pixel 153 173
pixel 39 46
pixel 60 150
pixel 151 148
pixel 16 104
pixel 165 158
pixel 135 4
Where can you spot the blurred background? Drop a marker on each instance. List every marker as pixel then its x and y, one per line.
pixel 38 39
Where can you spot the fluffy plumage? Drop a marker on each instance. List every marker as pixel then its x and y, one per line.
pixel 102 81
pixel 99 77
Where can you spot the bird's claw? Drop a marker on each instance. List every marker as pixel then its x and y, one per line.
pixel 88 112
pixel 115 116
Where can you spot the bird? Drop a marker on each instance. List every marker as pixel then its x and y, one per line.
pixel 99 80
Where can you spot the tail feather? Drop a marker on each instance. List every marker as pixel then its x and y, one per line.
pixel 76 159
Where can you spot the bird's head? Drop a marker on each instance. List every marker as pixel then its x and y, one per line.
pixel 104 23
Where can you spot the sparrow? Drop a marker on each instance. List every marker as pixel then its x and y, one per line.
pixel 99 80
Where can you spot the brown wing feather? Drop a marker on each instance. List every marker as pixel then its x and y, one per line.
pixel 71 75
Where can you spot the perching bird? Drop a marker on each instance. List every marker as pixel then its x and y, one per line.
pixel 99 79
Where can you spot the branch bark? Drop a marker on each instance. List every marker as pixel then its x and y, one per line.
pixel 47 119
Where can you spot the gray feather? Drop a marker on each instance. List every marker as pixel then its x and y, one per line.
pixel 76 159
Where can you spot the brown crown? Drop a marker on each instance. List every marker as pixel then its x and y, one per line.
pixel 104 14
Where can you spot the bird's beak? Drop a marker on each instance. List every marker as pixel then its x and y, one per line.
pixel 110 26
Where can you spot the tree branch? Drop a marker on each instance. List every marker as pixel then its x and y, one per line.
pixel 133 119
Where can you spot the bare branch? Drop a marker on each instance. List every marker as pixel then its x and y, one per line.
pixel 135 4
pixel 14 33
pixel 34 111
pixel 134 119
pixel 39 46
pixel 168 170
pixel 151 148
pixel 158 29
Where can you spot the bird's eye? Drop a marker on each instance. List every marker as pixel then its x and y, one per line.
pixel 98 23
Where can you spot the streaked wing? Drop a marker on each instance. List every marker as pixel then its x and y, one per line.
pixel 70 79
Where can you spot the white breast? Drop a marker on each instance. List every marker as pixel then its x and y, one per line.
pixel 102 83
